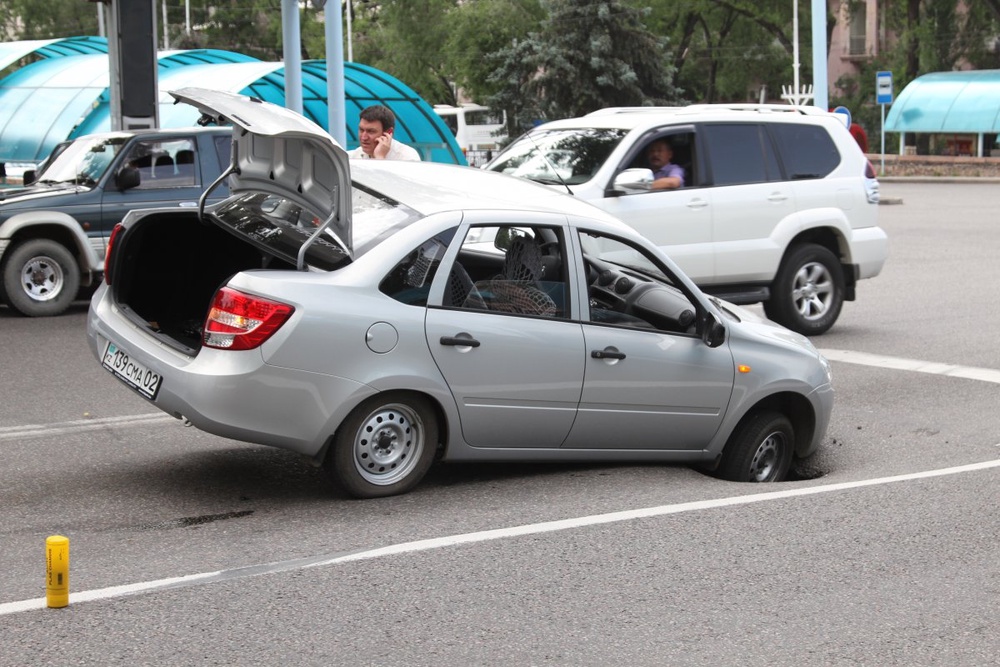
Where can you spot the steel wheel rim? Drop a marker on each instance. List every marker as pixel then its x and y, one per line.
pixel 42 278
pixel 765 459
pixel 813 291
pixel 388 444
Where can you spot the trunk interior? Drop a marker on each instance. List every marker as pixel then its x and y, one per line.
pixel 167 267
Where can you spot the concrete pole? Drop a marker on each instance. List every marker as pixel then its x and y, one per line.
pixel 291 40
pixel 820 83
pixel 335 97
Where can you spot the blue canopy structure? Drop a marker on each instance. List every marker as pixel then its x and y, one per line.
pixel 66 94
pixel 949 103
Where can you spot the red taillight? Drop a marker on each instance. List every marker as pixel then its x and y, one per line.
pixel 869 170
pixel 238 321
pixel 107 253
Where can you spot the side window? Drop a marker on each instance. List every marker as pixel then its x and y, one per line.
pixel 739 154
pixel 163 164
pixel 223 149
pixel 807 151
pixel 671 158
pixel 410 280
pixel 629 288
pixel 512 270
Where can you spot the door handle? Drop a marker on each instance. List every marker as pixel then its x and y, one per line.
pixel 607 353
pixel 777 196
pixel 463 341
pixel 697 203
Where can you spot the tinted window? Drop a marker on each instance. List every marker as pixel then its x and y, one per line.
pixel 740 154
pixel 807 151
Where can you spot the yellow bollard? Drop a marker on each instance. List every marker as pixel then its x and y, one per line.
pixel 57 571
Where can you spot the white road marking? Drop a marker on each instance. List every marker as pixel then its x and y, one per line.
pixel 78 425
pixel 915 365
pixel 482 536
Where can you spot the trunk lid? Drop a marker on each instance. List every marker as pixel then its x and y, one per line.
pixel 280 152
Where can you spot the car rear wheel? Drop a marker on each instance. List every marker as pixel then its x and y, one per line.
pixel 40 278
pixel 808 291
pixel 760 450
pixel 385 446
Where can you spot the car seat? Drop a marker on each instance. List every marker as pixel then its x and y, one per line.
pixel 516 289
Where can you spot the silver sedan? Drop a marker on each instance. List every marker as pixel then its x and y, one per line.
pixel 378 316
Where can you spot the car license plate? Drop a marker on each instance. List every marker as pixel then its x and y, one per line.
pixel 132 373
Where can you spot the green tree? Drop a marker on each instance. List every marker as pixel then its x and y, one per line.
pixel 586 55
pixel 407 39
pixel 32 19
pixel 478 28
pixel 728 50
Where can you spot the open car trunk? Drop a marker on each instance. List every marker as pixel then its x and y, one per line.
pixel 167 266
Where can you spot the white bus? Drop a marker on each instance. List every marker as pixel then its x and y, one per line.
pixel 478 129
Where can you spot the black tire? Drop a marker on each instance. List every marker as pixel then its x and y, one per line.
pixel 808 292
pixel 759 450
pixel 40 278
pixel 384 447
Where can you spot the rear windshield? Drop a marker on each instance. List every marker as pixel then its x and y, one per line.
pixel 558 157
pixel 281 226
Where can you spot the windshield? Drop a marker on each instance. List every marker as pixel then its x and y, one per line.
pixel 83 161
pixel 282 226
pixel 559 157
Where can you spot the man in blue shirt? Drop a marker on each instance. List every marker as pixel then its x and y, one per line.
pixel 666 175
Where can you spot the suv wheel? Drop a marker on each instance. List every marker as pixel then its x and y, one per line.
pixel 808 292
pixel 40 278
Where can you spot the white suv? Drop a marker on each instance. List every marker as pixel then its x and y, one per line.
pixel 779 205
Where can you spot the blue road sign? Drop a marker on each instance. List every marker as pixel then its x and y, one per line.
pixel 883 88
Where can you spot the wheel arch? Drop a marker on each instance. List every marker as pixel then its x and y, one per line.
pixel 440 414
pixel 57 227
pixel 796 408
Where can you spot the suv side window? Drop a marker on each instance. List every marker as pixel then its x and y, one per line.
pixel 157 162
pixel 807 151
pixel 740 153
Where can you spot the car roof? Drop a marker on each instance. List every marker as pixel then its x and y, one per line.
pixel 431 187
pixel 629 118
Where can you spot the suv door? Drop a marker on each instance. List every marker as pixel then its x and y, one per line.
pixel 167 178
pixel 750 197
pixel 679 221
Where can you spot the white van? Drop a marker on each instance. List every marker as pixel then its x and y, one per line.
pixel 478 130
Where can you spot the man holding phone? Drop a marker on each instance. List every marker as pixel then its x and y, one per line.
pixel 375 130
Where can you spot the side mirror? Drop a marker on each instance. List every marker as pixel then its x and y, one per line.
pixel 713 333
pixel 127 177
pixel 28 177
pixel 632 181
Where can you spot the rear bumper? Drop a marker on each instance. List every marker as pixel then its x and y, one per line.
pixel 232 394
pixel 869 250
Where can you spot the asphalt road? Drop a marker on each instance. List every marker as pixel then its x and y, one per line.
pixel 885 552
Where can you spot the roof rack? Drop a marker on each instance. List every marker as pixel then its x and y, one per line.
pixel 759 108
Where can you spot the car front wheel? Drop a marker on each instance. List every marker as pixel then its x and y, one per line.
pixel 760 450
pixel 385 446
pixel 808 292
pixel 40 278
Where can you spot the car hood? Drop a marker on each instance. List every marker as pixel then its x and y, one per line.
pixel 281 152
pixel 29 196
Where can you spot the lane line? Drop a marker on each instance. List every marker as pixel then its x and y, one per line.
pixel 79 425
pixel 481 536
pixel 915 365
